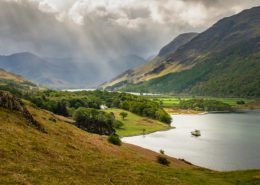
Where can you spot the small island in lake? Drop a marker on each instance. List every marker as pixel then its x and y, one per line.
pixel 196 133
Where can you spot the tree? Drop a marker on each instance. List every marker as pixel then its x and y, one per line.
pixel 114 139
pixel 123 115
pixel 94 121
pixel 61 109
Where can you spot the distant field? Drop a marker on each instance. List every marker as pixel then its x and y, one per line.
pixel 135 125
pixel 173 101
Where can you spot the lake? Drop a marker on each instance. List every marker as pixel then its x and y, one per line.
pixel 228 141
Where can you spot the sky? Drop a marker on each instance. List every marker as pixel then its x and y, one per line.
pixel 100 30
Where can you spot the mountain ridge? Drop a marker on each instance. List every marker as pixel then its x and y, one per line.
pixel 176 43
pixel 64 72
pixel 217 49
pixel 155 67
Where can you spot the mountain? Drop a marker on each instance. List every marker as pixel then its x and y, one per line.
pixel 30 66
pixel 123 63
pixel 177 43
pixel 222 61
pixel 155 67
pixel 65 72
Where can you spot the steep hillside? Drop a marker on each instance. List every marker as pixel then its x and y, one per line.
pixel 156 67
pixel 222 61
pixel 16 84
pixel 4 75
pixel 176 43
pixel 68 155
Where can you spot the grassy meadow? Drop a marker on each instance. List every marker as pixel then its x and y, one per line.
pixel 136 125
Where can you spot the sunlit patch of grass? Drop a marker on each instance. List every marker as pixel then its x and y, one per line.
pixel 174 101
pixel 136 125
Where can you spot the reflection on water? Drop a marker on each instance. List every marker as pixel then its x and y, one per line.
pixel 227 142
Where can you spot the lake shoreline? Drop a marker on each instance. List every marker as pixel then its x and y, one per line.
pixel 180 157
pixel 150 132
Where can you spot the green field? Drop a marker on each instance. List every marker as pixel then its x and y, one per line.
pixel 135 125
pixel 169 101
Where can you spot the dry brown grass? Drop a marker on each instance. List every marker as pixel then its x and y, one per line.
pixel 11 76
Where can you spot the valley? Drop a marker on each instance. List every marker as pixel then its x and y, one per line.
pixel 66 154
pixel 129 92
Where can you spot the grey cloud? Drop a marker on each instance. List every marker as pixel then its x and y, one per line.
pixel 140 27
pixel 226 4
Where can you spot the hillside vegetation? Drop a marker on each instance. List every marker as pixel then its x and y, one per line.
pixel 65 103
pixel 16 84
pixel 66 154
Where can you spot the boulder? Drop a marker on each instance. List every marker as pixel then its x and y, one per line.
pixel 10 102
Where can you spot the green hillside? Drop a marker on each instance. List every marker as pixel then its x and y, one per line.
pixel 222 61
pixel 233 73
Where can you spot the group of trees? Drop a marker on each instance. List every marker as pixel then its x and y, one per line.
pixel 204 105
pixel 141 106
pixel 65 103
pixel 95 121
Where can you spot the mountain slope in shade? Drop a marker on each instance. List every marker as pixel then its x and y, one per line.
pixel 222 61
pixel 156 67
pixel 30 66
pixel 176 43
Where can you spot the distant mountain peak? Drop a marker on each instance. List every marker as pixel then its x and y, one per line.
pixel 23 54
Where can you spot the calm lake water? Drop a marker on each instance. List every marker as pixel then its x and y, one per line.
pixel 228 141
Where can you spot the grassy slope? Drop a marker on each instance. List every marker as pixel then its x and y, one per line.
pixel 11 76
pixel 68 155
pixel 134 124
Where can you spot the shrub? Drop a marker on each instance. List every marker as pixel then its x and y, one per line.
pixel 162 151
pixel 241 102
pixel 123 115
pixel 163 160
pixel 118 124
pixel 114 139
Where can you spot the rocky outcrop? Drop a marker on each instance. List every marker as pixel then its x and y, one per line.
pixel 10 102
